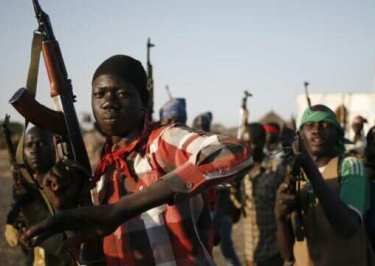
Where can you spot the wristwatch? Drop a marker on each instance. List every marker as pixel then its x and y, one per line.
pixel 288 263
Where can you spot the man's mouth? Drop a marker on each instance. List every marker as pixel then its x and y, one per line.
pixel 35 161
pixel 110 116
pixel 317 141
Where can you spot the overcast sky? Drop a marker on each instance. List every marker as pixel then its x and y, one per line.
pixel 207 51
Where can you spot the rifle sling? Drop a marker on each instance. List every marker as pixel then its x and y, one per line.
pixel 31 86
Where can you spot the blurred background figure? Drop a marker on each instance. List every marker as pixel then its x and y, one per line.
pixel 174 111
pixel 358 142
pixel 203 121
pixel 29 203
pixel 93 138
pixel 259 189
pixel 272 137
pixel 369 160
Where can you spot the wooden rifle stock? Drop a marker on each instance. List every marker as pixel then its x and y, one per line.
pixel 61 87
pixel 55 67
pixel 37 113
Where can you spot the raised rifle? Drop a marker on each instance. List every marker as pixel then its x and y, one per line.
pixel 308 100
pixel 244 115
pixel 293 177
pixel 61 87
pixel 150 78
pixel 64 121
pixel 170 96
pixel 11 152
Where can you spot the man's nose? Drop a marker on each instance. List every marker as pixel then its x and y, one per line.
pixel 35 148
pixel 110 100
pixel 317 127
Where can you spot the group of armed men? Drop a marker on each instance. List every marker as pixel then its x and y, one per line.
pixel 165 194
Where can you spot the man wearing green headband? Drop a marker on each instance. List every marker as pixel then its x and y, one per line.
pixel 333 198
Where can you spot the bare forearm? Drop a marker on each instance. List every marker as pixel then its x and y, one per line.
pixel 129 206
pixel 285 240
pixel 345 220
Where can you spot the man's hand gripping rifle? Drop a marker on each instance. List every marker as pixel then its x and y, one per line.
pixel 293 177
pixel 63 121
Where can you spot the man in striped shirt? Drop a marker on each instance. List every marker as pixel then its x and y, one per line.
pixel 147 176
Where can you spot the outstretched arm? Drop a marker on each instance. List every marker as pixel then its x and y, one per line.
pixel 210 164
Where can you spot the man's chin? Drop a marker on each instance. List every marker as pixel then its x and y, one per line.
pixel 113 130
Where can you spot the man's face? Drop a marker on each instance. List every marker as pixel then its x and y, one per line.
pixel 117 105
pixel 38 150
pixel 272 137
pixel 320 138
pixel 257 143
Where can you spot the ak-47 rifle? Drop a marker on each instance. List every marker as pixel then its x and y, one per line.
pixel 170 96
pixel 61 87
pixel 150 78
pixel 244 116
pixel 64 123
pixel 293 177
pixel 11 151
pixel 306 85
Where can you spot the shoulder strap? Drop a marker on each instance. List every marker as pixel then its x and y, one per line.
pixel 31 85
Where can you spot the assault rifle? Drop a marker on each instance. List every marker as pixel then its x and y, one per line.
pixel 11 152
pixel 244 116
pixel 293 177
pixel 64 123
pixel 61 87
pixel 150 78
pixel 308 100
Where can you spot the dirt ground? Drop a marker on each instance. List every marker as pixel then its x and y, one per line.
pixel 14 257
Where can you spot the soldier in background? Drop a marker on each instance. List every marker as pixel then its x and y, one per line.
pixel 173 111
pixel 203 121
pixel 358 143
pixel 259 188
pixel 272 138
pixel 30 207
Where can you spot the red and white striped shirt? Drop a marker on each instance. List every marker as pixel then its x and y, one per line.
pixel 166 235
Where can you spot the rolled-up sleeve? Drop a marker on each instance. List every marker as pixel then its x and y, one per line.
pixel 194 160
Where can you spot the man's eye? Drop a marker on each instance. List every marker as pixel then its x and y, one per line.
pixel 325 125
pixel 98 94
pixel 122 93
